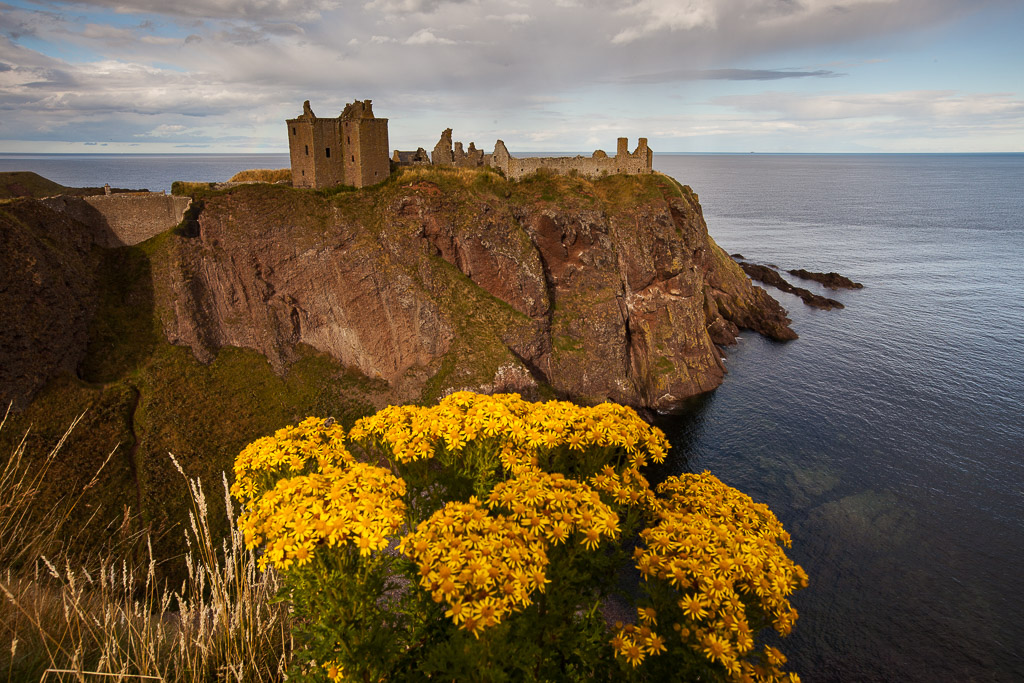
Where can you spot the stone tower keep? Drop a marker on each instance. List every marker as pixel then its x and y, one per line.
pixel 349 150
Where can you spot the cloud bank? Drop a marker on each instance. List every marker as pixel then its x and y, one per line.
pixel 228 72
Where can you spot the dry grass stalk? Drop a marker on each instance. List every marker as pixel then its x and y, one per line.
pixel 110 616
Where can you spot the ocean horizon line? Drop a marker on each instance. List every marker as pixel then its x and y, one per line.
pixel 526 153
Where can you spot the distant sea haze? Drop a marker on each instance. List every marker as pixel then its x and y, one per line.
pixel 154 172
pixel 888 437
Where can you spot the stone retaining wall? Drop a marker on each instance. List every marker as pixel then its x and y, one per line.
pixel 126 218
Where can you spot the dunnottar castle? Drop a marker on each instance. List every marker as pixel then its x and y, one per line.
pixel 352 149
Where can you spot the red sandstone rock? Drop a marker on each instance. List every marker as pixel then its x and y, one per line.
pixel 624 301
pixel 611 290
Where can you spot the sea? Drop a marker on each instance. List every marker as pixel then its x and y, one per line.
pixel 888 438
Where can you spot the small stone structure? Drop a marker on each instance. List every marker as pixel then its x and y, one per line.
pixel 123 218
pixel 417 158
pixel 349 150
pixel 447 153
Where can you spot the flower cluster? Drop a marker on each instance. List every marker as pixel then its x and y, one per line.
pixel 629 488
pixel 311 445
pixel 482 566
pixel 519 429
pixel 634 643
pixel 712 559
pixel 721 552
pixel 358 504
pixel 554 506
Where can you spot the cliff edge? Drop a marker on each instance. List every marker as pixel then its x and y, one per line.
pixel 446 279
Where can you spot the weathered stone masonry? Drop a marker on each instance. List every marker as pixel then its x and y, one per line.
pixel 126 218
pixel 349 150
pixel 637 162
pixel 447 153
pixel 353 150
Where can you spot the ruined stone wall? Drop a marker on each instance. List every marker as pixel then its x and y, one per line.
pixel 445 154
pixel 124 219
pixel 374 165
pixel 442 154
pixel 300 144
pixel 328 153
pixel 352 158
pixel 638 162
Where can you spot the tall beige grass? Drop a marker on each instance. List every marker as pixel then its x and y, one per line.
pixel 263 175
pixel 83 618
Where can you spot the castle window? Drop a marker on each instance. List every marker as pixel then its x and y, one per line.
pixel 348 140
pixel 353 157
pixel 294 132
pixel 307 150
pixel 328 152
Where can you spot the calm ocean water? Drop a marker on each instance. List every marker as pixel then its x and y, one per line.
pixel 889 437
pixel 154 172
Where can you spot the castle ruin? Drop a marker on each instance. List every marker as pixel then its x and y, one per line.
pixel 349 150
pixel 447 153
pixel 353 150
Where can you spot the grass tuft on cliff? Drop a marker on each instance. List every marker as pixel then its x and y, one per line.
pixel 263 175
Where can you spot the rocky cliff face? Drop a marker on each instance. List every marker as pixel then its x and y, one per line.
pixel 442 280
pixel 47 296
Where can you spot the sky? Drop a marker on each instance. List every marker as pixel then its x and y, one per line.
pixel 222 76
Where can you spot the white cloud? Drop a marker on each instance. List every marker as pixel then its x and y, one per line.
pixel 936 107
pixel 514 18
pixel 425 36
pixel 537 66
pixel 301 10
pixel 674 15
pixel 163 130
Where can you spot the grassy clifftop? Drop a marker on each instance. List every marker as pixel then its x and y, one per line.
pixel 15 184
pixel 27 184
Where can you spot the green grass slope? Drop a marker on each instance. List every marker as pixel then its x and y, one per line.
pixel 27 184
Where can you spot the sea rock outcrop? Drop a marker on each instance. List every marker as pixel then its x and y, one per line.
pixel 832 280
pixel 770 276
pixel 445 280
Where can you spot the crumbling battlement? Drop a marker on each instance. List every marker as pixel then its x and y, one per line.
pixel 638 162
pixel 123 219
pixel 447 153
